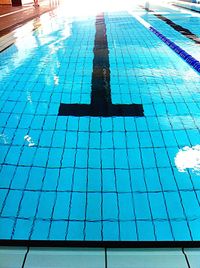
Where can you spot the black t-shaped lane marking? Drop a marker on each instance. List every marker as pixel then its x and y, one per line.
pixel 101 104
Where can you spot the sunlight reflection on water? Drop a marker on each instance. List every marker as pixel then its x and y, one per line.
pixel 188 158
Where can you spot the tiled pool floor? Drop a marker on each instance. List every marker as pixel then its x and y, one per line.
pixel 108 175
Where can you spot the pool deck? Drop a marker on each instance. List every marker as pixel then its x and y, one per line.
pixel 13 17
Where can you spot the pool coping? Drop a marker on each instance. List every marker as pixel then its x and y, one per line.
pixel 101 244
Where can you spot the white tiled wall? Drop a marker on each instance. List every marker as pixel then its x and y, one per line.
pixel 193 255
pixel 69 258
pixel 13 257
pixel 146 258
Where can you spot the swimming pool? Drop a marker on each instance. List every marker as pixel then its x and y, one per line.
pixel 99 132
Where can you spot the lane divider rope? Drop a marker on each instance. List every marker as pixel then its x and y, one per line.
pixel 178 50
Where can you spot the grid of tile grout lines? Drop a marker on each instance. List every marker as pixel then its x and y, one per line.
pixel 89 178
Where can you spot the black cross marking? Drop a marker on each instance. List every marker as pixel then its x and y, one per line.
pixel 101 104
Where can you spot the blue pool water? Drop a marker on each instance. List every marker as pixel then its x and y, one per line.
pixel 116 178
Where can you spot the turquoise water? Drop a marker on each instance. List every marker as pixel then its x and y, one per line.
pixel 185 18
pixel 117 178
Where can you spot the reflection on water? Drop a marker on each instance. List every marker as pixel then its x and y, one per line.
pixel 188 158
pixel 89 7
pixel 29 140
pixel 4 139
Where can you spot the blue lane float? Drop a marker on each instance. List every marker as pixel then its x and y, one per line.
pixel 178 50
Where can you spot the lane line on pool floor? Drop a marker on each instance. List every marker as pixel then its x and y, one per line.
pixel 194 63
pixel 184 31
pixel 187 8
pixel 101 100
